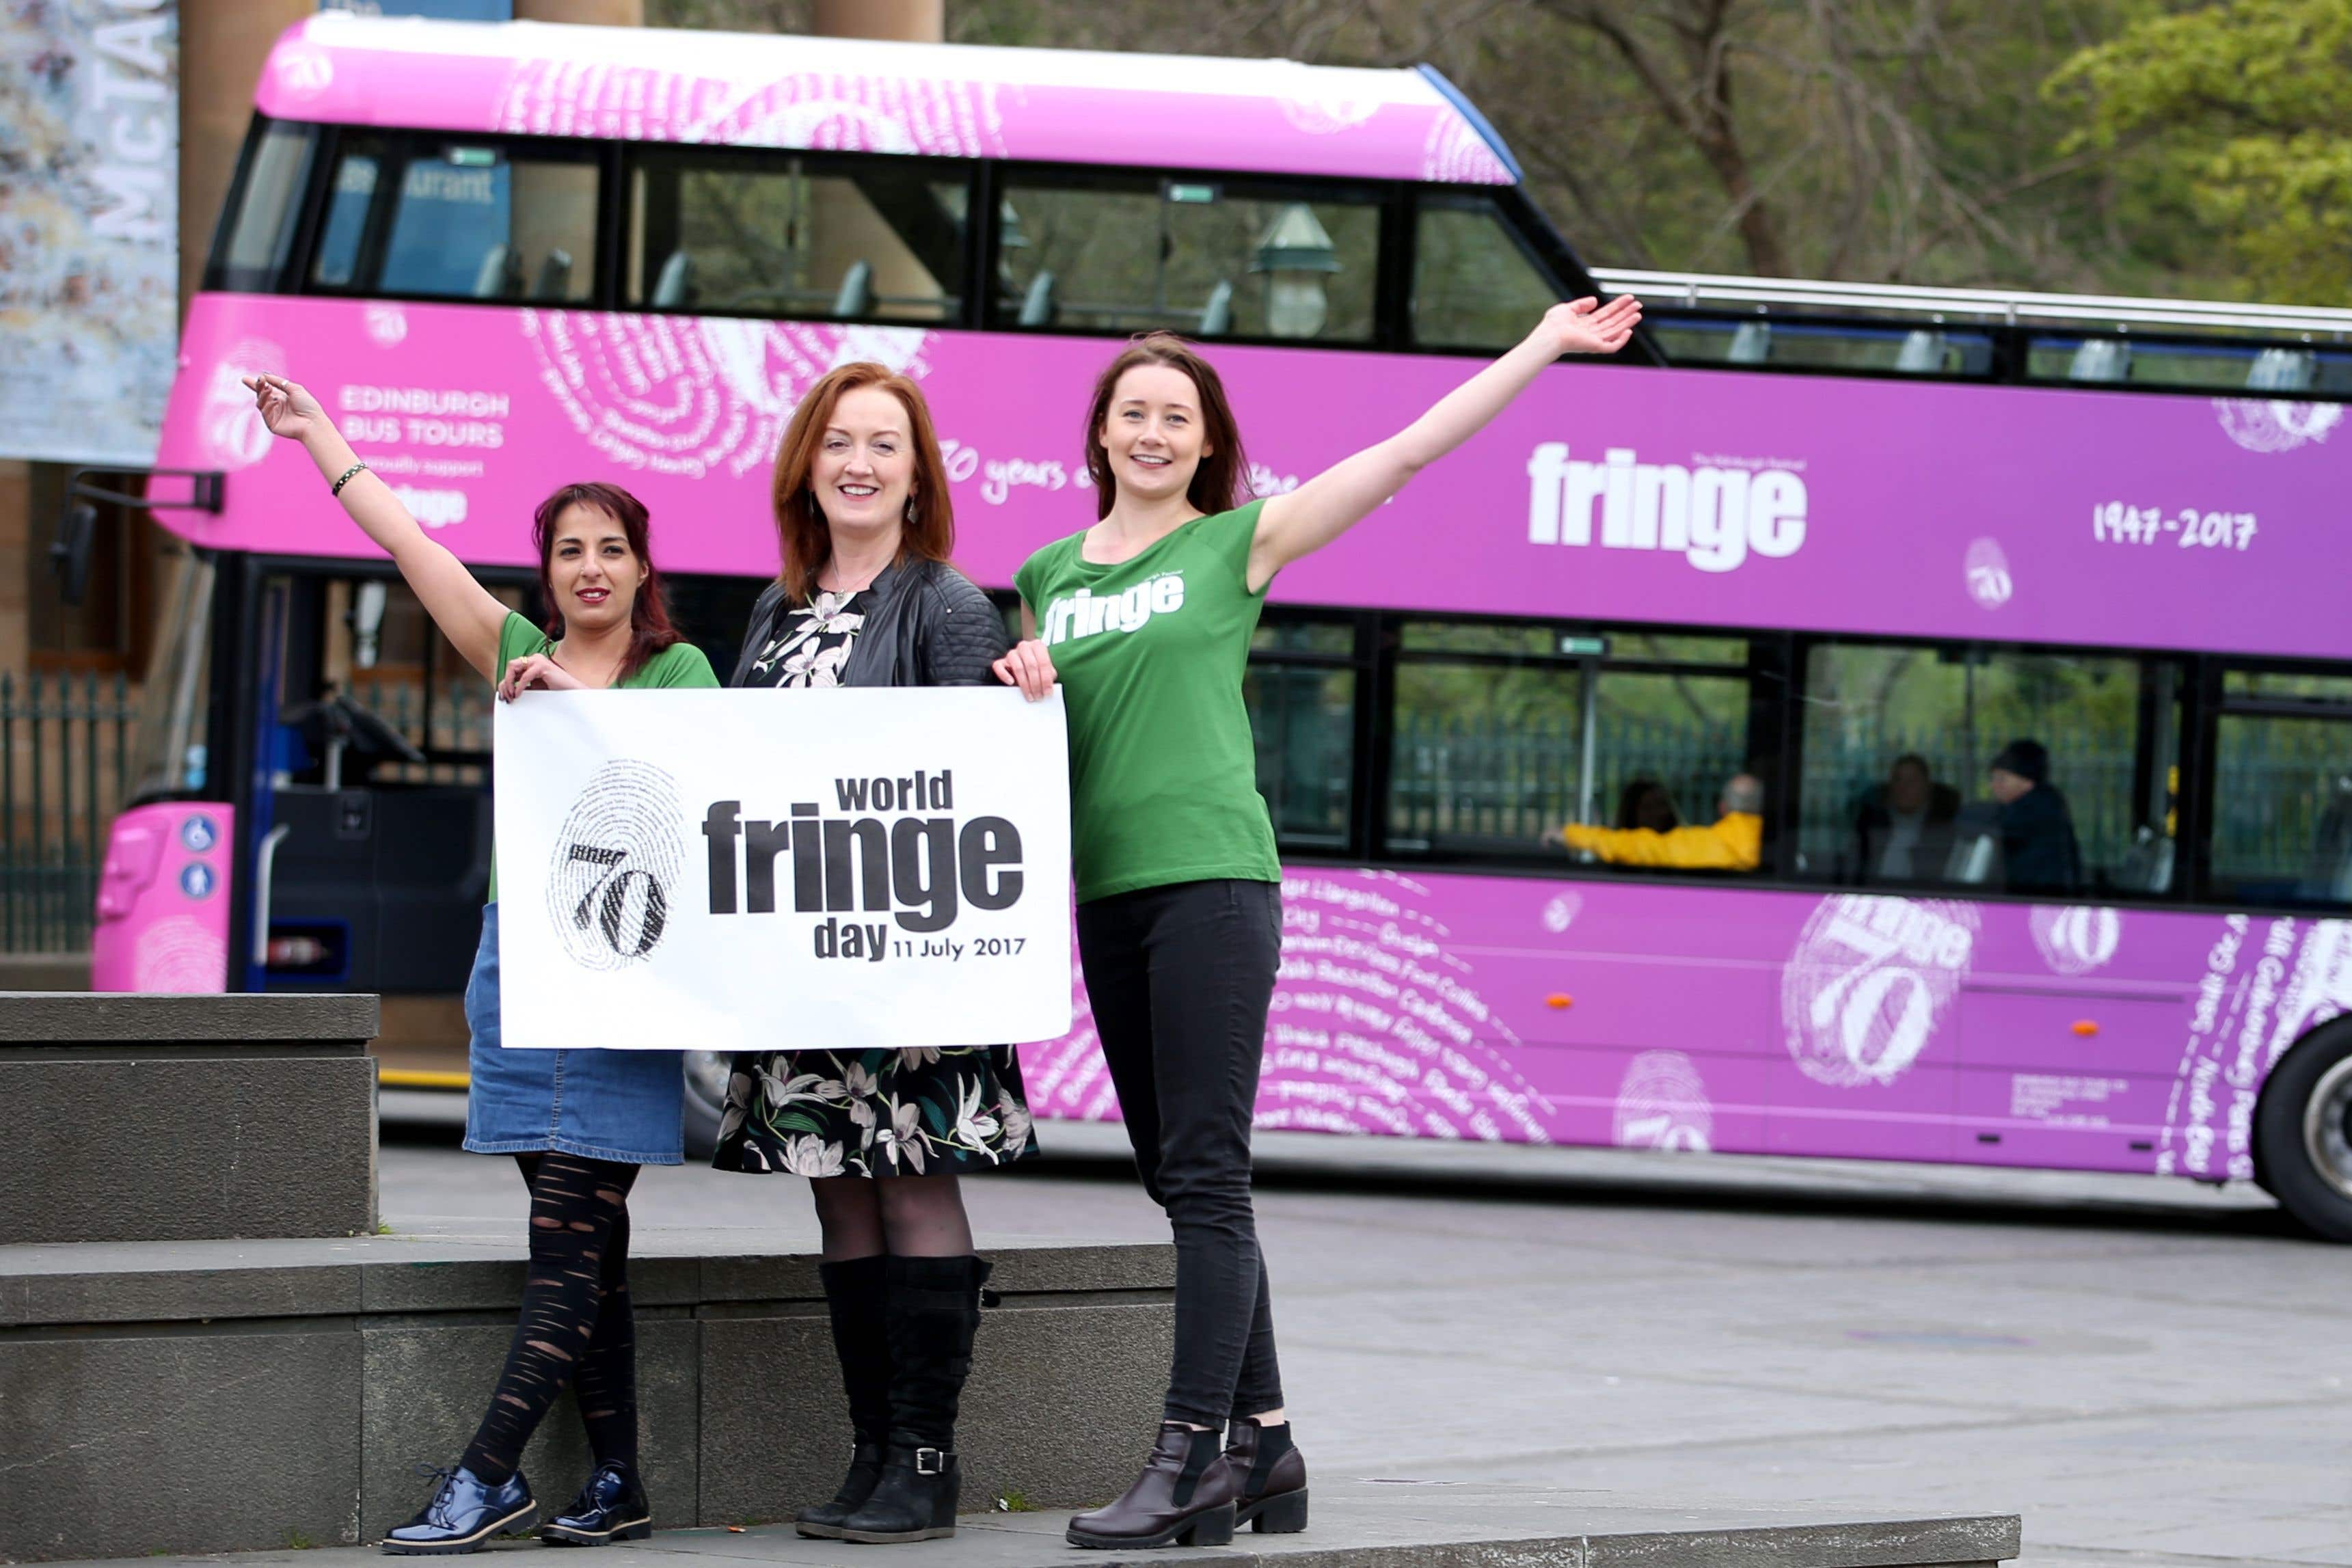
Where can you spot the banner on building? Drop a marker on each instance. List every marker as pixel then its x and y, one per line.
pixel 763 870
pixel 89 92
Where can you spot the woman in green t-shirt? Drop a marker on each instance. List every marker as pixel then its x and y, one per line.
pixel 1146 619
pixel 579 1150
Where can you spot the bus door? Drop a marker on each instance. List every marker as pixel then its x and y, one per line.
pixel 367 805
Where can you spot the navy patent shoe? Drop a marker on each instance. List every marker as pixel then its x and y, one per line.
pixel 611 1507
pixel 466 1512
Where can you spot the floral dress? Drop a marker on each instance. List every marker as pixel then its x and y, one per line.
pixel 819 1112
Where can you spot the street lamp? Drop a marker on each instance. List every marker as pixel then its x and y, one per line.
pixel 1295 256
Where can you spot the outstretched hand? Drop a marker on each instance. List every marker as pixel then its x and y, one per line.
pixel 1588 327
pixel 286 408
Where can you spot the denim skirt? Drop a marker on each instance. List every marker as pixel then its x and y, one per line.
pixel 623 1106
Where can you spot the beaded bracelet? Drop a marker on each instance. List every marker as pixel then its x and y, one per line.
pixel 337 487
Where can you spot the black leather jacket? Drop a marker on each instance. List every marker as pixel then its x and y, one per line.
pixel 931 625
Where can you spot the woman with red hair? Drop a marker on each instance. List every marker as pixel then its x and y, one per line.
pixel 579 1150
pixel 867 597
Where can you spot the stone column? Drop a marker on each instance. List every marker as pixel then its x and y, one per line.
pixel 914 21
pixel 848 229
pixel 595 13
pixel 223 45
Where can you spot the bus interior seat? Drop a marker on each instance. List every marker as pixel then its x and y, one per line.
pixel 2328 877
pixel 1038 306
pixel 2146 866
pixel 674 285
pixel 1751 343
pixel 2100 359
pixel 856 295
pixel 501 274
pixel 2281 370
pixel 554 276
pixel 1975 858
pixel 1922 352
pixel 1217 315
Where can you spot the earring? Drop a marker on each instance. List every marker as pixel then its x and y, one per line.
pixel 910 507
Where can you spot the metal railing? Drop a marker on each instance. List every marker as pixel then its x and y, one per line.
pixel 64 754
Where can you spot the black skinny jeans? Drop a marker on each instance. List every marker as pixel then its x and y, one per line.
pixel 1180 977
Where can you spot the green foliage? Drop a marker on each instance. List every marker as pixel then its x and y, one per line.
pixel 2247 106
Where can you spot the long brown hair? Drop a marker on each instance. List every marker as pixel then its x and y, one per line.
pixel 802 534
pixel 1222 481
pixel 649 629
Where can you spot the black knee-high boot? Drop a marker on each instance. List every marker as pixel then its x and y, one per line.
pixel 931 1313
pixel 853 1294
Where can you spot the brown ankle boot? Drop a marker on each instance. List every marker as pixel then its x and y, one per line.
pixel 1270 1476
pixel 1185 1496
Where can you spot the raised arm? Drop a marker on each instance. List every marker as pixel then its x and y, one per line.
pixel 465 611
pixel 1335 500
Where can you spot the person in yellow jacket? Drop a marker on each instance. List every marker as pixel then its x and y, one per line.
pixel 1735 842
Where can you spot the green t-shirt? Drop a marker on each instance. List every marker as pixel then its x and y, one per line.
pixel 1152 652
pixel 681 664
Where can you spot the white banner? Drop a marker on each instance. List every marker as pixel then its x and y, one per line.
pixel 89 274
pixel 858 869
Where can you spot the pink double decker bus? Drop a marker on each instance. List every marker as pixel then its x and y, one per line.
pixel 1821 554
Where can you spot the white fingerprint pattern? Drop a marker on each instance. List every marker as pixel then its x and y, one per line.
pixel 1870 981
pixel 680 394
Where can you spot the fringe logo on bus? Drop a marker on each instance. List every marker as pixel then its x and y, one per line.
pixel 1869 983
pixel 1714 516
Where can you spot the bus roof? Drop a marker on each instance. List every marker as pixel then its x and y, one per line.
pixel 645 84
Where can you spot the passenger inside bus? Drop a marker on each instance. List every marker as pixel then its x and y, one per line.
pixel 1904 829
pixel 2039 852
pixel 1734 842
pixel 1644 802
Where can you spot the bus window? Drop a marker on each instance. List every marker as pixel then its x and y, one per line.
pixel 348 201
pixel 1913 767
pixel 468 220
pixel 1301 692
pixel 1671 729
pixel 1207 258
pixel 860 239
pixel 1487 740
pixel 2283 790
pixel 1473 284
pixel 261 231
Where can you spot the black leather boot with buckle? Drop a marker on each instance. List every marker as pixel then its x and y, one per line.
pixel 1270 1474
pixel 854 1295
pixel 1184 1498
pixel 931 1314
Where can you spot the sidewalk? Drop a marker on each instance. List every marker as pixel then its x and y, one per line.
pixel 1357 1525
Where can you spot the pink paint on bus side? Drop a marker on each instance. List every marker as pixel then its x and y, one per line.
pixel 766 90
pixel 1689 498
pixel 162 899
pixel 1769 1022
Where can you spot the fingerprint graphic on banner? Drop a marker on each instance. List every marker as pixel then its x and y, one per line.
pixel 680 395
pixel 617 864
pixel 1375 1028
pixel 1870 981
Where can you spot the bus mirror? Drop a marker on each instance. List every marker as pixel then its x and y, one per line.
pixel 69 554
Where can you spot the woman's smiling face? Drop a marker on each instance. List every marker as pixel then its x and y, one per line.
pixel 594 572
pixel 864 468
pixel 1153 432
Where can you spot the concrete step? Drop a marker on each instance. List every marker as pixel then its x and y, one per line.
pixel 1367 1524
pixel 221 1395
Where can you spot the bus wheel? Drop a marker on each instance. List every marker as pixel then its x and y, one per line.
pixel 706 1098
pixel 2302 1132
